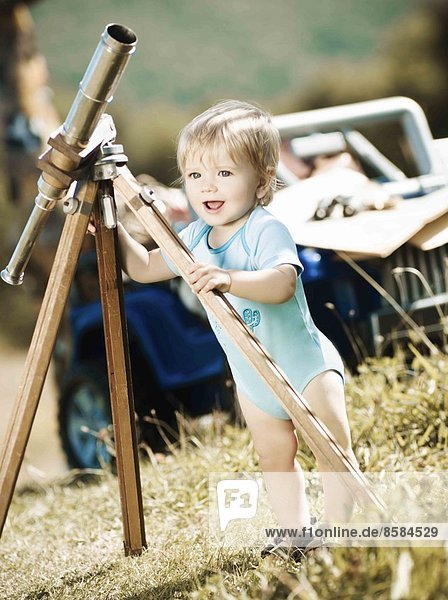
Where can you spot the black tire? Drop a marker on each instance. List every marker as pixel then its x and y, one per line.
pixel 85 416
pixel 84 403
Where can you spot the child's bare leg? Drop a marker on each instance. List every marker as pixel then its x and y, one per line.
pixel 275 442
pixel 325 396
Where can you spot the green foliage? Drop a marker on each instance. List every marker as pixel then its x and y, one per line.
pixel 64 541
pixel 413 62
pixel 191 54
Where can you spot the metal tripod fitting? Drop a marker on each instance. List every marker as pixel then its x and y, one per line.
pixel 104 171
pixel 105 167
pixel 147 195
pixel 96 91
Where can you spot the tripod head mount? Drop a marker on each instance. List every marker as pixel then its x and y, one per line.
pixel 112 156
pixel 71 146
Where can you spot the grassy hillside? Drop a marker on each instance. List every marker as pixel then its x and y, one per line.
pixel 63 542
pixel 194 51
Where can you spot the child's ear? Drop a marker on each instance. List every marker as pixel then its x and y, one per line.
pixel 264 184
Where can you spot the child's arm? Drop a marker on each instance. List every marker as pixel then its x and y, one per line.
pixel 138 263
pixel 269 286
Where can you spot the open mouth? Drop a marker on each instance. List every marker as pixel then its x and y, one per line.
pixel 213 205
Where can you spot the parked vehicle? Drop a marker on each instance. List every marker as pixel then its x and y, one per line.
pixel 377 274
pixel 373 241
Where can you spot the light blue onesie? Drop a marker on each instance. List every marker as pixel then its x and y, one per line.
pixel 286 330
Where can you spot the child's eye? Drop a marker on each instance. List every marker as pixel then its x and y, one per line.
pixel 225 173
pixel 194 175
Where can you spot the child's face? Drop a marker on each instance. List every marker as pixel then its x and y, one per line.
pixel 220 190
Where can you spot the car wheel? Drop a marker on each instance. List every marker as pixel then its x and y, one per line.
pixel 85 417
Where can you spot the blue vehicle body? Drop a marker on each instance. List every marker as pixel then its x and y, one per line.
pixel 180 349
pixel 340 301
pixel 177 365
pixel 176 361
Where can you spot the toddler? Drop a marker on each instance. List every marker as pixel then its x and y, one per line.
pixel 227 157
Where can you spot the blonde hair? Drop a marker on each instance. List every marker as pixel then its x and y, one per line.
pixel 244 129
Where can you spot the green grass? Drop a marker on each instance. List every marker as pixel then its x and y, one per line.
pixel 64 541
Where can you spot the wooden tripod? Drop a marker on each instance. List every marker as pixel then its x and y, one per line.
pixel 41 348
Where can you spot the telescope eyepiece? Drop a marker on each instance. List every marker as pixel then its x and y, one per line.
pixel 121 34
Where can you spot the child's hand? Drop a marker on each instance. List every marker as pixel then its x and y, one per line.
pixel 91 227
pixel 204 278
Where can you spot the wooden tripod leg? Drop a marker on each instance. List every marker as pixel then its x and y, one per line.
pixel 119 373
pixel 42 344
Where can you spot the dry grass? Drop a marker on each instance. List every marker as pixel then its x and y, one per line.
pixel 65 541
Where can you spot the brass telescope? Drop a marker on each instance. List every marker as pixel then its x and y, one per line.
pixel 96 90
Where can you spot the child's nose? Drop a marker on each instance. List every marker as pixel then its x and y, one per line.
pixel 208 185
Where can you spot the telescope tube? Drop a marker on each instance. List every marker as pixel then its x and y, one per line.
pixel 96 91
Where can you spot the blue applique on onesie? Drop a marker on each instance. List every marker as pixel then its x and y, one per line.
pixel 286 330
